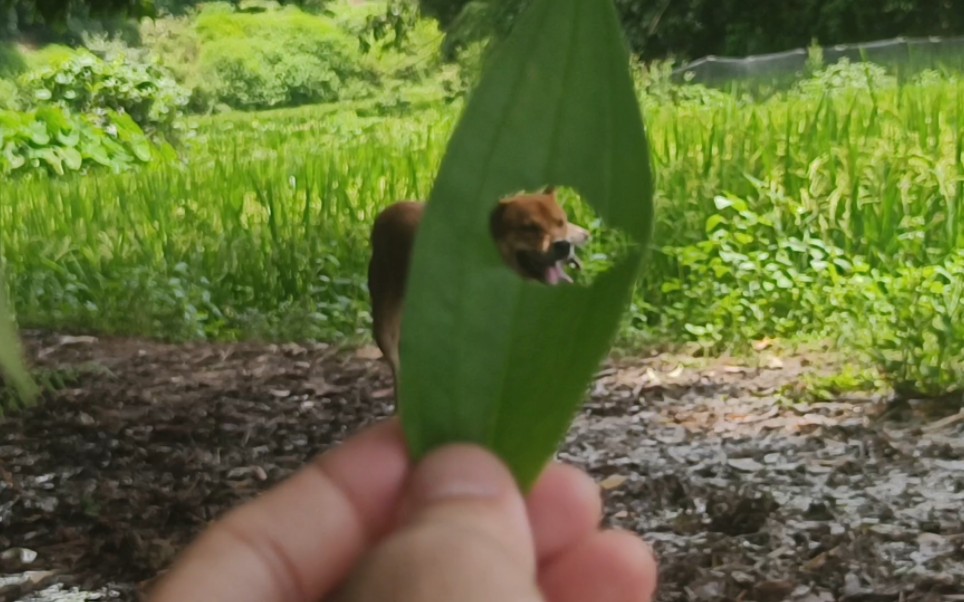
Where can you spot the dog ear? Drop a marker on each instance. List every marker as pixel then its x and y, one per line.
pixel 550 190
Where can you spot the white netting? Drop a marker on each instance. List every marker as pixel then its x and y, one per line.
pixel 899 53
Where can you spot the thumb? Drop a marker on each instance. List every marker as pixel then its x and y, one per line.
pixel 463 534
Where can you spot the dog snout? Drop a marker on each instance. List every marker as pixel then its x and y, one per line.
pixel 576 235
pixel 561 249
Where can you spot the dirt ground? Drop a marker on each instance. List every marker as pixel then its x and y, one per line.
pixel 744 495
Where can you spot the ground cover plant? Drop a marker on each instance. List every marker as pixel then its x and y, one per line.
pixel 52 140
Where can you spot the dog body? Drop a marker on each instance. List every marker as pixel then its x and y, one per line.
pixel 531 232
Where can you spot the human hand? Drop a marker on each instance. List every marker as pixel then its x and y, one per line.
pixel 363 524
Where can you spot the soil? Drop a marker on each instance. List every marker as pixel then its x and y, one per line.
pixel 744 494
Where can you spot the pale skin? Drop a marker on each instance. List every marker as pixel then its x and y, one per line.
pixel 362 523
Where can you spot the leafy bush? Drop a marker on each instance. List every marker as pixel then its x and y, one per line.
pixel 279 58
pixel 911 324
pixel 748 280
pixel 9 95
pixel 85 83
pixel 654 84
pixel 176 44
pixel 230 57
pixel 52 139
pixel 50 56
pixel 12 63
pixel 393 39
pixel 844 76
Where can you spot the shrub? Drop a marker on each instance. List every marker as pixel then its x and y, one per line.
pixel 12 62
pixel 85 83
pixel 280 58
pixel 241 74
pixel 176 44
pixel 9 95
pixel 394 41
pixel 911 324
pixel 654 84
pixel 748 280
pixel 52 55
pixel 52 140
pixel 844 76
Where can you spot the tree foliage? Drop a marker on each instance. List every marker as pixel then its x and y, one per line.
pixel 692 28
pixel 54 14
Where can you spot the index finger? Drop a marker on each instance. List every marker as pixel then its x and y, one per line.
pixel 298 541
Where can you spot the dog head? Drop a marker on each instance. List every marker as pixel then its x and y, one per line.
pixel 535 238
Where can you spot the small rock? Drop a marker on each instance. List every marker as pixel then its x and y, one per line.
pixel 742 577
pixel 613 481
pixel 67 340
pixel 852 587
pixel 21 555
pixel 368 352
pixel 745 464
pixel 773 363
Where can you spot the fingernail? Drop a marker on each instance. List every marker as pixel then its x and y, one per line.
pixel 459 472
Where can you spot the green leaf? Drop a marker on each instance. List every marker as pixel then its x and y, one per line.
pixel 72 158
pixel 51 157
pixel 15 159
pixel 721 202
pixel 713 221
pixel 69 138
pixel 38 133
pixel 695 329
pixel 96 152
pixel 141 149
pixel 486 357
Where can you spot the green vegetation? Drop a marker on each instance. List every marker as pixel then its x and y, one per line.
pixel 831 210
pixel 87 84
pixel 694 28
pixel 282 58
pixel 263 232
pixel 28 14
pixel 286 57
pixel 53 140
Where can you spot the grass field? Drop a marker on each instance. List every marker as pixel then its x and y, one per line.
pixel 771 215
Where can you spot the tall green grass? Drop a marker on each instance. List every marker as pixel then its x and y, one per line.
pixel 262 231
pixel 874 176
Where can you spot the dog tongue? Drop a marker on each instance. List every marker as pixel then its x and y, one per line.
pixel 556 274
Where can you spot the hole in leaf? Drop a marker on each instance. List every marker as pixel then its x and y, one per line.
pixel 553 236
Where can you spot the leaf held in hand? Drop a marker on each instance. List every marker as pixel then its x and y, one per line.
pixel 486 357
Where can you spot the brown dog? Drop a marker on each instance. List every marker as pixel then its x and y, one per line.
pixel 531 231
